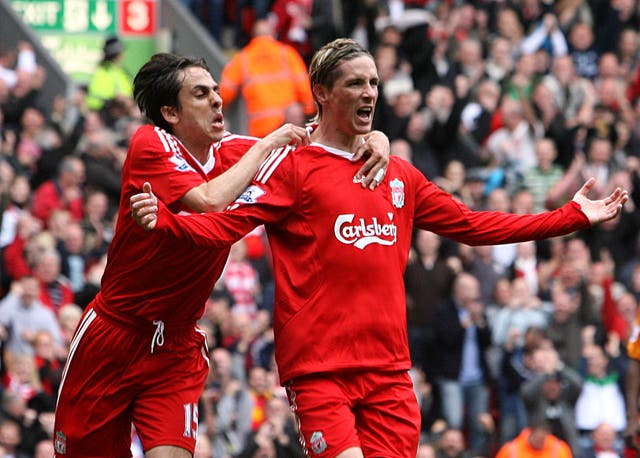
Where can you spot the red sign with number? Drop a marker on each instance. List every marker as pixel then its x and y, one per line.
pixel 138 17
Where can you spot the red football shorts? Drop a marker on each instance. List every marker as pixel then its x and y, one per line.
pixel 375 411
pixel 112 378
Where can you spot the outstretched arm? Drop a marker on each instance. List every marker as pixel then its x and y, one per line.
pixel 599 211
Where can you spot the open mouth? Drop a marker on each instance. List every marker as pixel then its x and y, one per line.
pixel 218 120
pixel 365 113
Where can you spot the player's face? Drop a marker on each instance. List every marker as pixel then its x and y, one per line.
pixel 352 99
pixel 200 114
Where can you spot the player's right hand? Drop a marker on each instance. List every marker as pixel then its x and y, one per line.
pixel 144 207
pixel 287 134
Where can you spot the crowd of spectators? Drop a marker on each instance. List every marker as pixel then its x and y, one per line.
pixel 508 105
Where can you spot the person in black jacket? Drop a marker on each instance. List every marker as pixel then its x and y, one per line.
pixel 462 337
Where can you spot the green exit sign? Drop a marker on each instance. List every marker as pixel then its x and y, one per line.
pixel 70 16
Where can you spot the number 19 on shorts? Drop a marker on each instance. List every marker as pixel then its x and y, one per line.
pixel 191 421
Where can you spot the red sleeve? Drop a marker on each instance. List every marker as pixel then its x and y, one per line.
pixel 231 148
pixel 439 212
pixel 268 200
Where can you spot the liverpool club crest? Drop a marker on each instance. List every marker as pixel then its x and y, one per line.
pixel 397 192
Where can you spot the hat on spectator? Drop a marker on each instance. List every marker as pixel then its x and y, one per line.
pixel 112 47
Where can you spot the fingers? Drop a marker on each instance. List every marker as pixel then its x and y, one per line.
pixel 371 174
pixel 584 190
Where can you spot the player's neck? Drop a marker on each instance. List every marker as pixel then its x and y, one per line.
pixel 330 136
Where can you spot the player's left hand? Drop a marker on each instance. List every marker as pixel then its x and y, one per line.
pixel 144 207
pixel 376 146
pixel 600 210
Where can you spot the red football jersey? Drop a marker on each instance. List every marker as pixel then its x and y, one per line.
pixel 149 277
pixel 340 251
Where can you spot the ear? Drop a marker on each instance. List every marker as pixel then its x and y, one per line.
pixel 321 92
pixel 170 114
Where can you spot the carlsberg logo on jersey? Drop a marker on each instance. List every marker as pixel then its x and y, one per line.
pixel 363 232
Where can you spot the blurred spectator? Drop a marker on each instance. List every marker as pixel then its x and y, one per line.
pixel 583 50
pixel 17 255
pixel 517 366
pixel 552 393
pixel 17 199
pixel 546 35
pixel 55 288
pixel 525 267
pixel 428 279
pixel 541 178
pixel 292 23
pixel 500 62
pixel 49 362
pixel 604 442
pixel 537 440
pixel 110 82
pixel 603 386
pixel 22 91
pixel 512 147
pixel 22 315
pixel 97 226
pixel 479 261
pixel 44 449
pixel 73 259
pixel 68 316
pixel 13 62
pixel 426 450
pixel 477 114
pixel 451 444
pixel 522 312
pixel 240 278
pixel 508 26
pixel 103 159
pixel 93 277
pixel 233 421
pixel 203 447
pixel 10 439
pixel 63 191
pixel 565 325
pixel 21 376
pixel 461 372
pixel 270 76
pixel 277 436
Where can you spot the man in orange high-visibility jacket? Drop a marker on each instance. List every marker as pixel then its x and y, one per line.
pixel 271 77
pixel 536 441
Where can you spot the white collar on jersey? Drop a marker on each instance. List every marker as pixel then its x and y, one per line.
pixel 336 151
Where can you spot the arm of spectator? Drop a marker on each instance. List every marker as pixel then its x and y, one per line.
pixel 534 40
pixel 572 385
pixel 558 42
pixel 584 116
pixel 567 183
pixel 632 391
